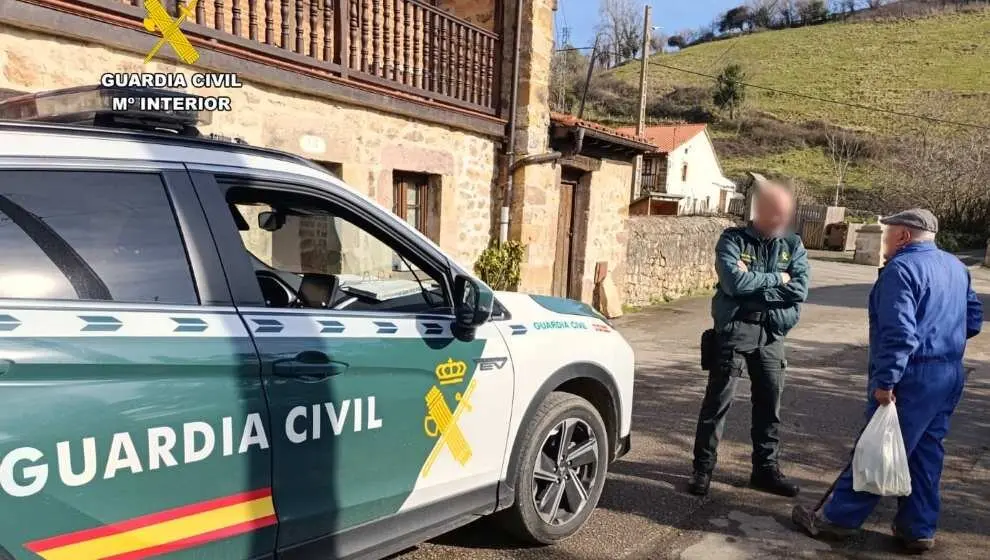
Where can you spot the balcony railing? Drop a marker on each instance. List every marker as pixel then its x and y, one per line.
pixel 405 45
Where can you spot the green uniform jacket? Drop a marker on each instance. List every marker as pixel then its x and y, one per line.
pixel 761 288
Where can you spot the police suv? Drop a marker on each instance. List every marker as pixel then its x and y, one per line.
pixel 211 350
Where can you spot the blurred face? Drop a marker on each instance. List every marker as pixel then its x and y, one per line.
pixel 894 238
pixel 774 211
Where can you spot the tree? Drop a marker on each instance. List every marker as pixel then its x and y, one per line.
pixel 788 13
pixel 657 41
pixel 736 18
pixel 843 149
pixel 730 91
pixel 620 27
pixel 946 174
pixel 812 11
pixel 568 68
pixel 764 13
pixel 676 42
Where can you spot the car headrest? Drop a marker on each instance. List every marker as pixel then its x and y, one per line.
pixel 317 290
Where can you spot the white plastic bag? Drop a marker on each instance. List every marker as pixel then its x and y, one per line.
pixel 880 462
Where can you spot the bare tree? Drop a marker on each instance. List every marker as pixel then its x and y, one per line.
pixel 620 27
pixel 657 42
pixel 842 148
pixel 874 4
pixel 764 13
pixel 948 174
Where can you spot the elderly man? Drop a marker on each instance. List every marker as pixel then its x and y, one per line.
pixel 922 311
pixel 762 278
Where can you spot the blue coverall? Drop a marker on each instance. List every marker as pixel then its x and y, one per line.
pixel 922 311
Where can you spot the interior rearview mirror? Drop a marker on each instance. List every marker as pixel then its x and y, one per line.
pixel 472 305
pixel 271 221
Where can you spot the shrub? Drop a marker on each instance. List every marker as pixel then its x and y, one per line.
pixel 685 103
pixel 498 265
pixel 955 241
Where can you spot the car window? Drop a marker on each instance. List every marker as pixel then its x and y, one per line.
pixel 89 235
pixel 290 238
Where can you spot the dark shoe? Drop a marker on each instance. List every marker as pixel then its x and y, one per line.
pixel 912 546
pixel 773 481
pixel 700 481
pixel 816 526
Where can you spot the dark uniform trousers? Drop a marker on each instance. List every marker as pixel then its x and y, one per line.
pixel 743 345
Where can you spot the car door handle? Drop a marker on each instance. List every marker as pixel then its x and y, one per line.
pixel 311 365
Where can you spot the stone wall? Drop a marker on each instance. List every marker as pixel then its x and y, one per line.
pixel 536 199
pixel 669 257
pixel 478 12
pixel 368 145
pixel 608 217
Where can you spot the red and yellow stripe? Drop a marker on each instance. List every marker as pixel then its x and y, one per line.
pixel 163 532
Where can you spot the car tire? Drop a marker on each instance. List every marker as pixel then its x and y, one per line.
pixel 549 505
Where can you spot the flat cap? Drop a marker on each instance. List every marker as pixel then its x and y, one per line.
pixel 915 218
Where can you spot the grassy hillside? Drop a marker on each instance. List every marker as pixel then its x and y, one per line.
pixel 938 65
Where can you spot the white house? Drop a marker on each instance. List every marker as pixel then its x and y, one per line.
pixel 683 175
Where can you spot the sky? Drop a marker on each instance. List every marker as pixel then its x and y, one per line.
pixel 581 16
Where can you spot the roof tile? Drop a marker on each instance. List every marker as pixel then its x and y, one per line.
pixel 571 120
pixel 668 138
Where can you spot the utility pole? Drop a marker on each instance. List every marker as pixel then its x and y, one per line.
pixel 641 120
pixel 587 80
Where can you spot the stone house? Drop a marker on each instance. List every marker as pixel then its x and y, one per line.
pixel 591 188
pixel 409 101
pixel 683 175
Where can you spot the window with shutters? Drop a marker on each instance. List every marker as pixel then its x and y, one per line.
pixel 413 200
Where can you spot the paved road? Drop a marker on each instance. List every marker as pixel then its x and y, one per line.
pixel 645 513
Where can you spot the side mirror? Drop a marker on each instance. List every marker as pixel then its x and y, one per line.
pixel 472 304
pixel 271 221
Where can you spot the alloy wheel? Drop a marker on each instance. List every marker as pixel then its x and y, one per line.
pixel 565 471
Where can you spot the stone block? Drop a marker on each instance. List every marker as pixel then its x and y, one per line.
pixel 869 245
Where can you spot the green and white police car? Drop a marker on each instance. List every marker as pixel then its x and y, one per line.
pixel 215 351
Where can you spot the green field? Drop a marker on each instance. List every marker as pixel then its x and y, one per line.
pixel 808 164
pixel 939 66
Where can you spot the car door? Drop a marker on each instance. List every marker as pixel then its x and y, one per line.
pixel 134 421
pixel 379 411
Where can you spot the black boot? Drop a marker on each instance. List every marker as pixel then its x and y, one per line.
pixel 700 481
pixel 773 481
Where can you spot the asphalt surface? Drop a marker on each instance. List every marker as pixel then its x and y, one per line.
pixel 645 512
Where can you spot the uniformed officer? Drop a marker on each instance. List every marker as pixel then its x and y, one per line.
pixel 922 311
pixel 762 278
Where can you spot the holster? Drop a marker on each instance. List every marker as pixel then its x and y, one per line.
pixel 709 350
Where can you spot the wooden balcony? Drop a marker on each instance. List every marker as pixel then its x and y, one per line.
pixel 406 46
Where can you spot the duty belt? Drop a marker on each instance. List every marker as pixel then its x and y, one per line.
pixel 755 317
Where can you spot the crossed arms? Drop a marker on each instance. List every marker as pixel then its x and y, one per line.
pixel 736 280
